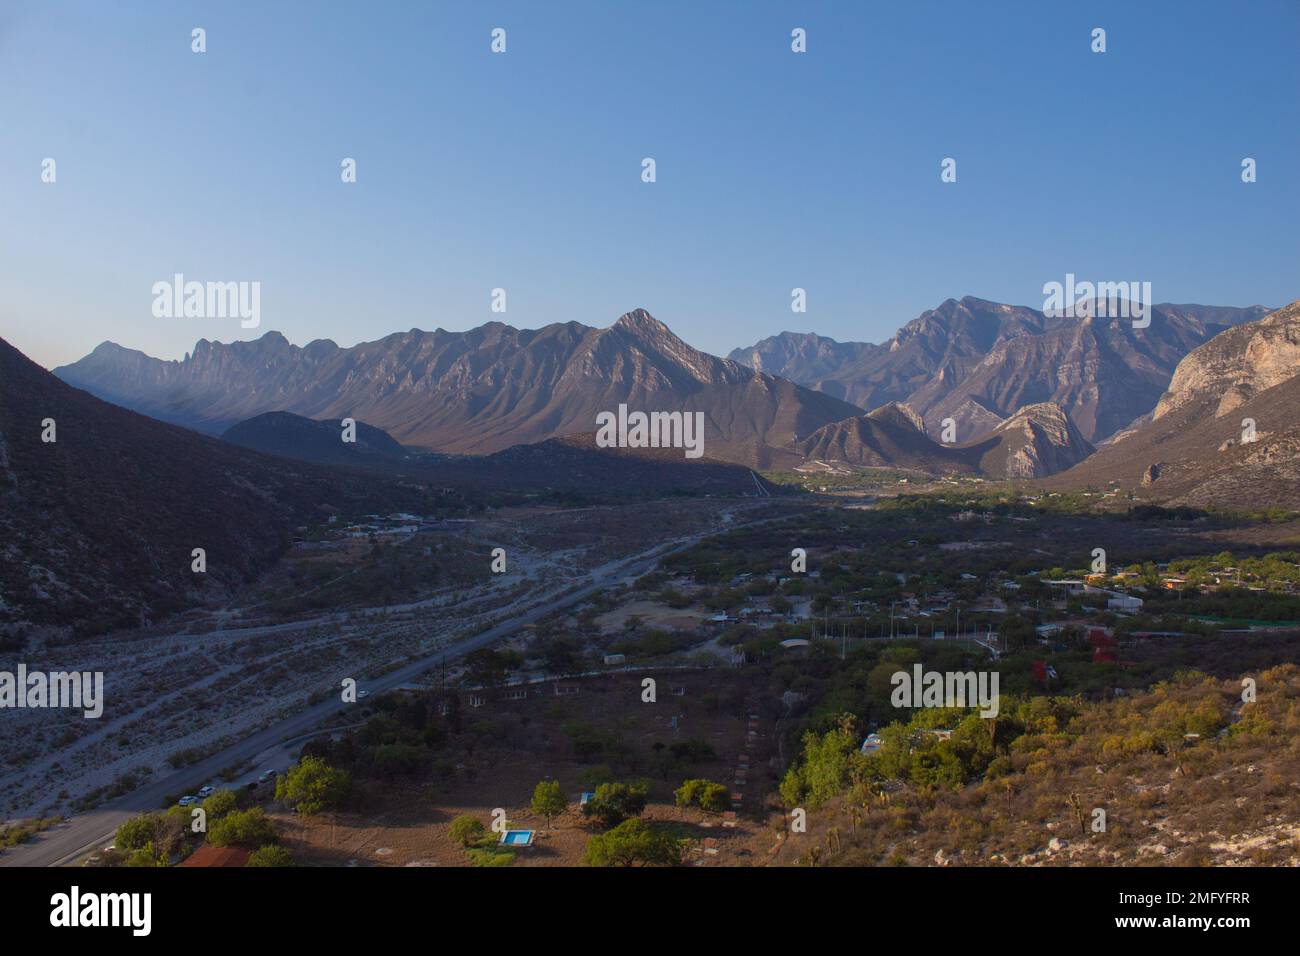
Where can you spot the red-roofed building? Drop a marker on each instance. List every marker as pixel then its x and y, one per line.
pixel 216 856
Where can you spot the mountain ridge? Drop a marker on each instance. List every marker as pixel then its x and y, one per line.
pixel 474 392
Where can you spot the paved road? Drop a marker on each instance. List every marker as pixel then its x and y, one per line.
pixel 69 841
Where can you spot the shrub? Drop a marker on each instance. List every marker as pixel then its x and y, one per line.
pixel 705 794
pixel 270 856
pixel 247 828
pixel 220 803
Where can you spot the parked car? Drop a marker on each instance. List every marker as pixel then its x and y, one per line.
pixel 362 694
pixel 187 800
pixel 267 777
pixel 205 792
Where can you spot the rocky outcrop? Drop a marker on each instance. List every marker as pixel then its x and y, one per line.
pixel 1237 365
pixel 892 436
pixel 1037 441
pixel 1227 433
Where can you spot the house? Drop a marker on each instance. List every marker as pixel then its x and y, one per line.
pixel 208 855
pixel 477 700
pixel 615 658
pixel 566 690
pixel 1123 602
pixel 1069 585
pixel 517 693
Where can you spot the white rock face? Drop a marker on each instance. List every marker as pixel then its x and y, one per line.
pixel 1041 440
pixel 1238 364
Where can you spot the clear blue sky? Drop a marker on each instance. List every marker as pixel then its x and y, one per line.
pixel 522 170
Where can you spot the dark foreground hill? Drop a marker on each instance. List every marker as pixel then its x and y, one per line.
pixel 304 439
pixel 98 527
pixel 572 464
pixel 575 464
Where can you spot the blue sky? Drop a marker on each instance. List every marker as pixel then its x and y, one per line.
pixel 522 170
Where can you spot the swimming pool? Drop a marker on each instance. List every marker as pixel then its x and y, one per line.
pixel 517 838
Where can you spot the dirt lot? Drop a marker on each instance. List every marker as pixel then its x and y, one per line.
pixel 407 822
pixel 652 614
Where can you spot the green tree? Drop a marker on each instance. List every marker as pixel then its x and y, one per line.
pixel 830 763
pixel 615 802
pixel 136 832
pixel 631 843
pixel 548 800
pixel 312 786
pixel 467 830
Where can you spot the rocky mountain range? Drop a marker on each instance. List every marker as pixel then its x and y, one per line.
pixel 1026 394
pixel 978 362
pixel 1226 432
pixel 474 392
